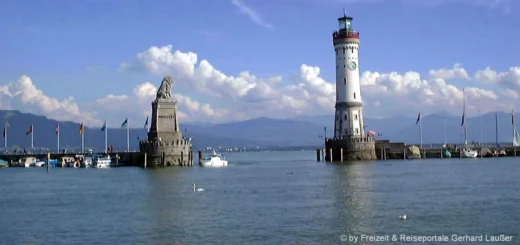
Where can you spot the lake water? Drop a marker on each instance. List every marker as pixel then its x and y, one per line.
pixel 261 198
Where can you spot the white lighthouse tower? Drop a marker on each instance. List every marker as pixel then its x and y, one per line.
pixel 350 141
pixel 349 108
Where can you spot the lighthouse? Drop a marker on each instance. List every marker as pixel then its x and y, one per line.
pixel 350 141
pixel 349 107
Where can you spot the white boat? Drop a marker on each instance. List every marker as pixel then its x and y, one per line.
pixel 86 162
pixel 101 162
pixel 466 151
pixel 39 163
pixel 28 161
pixel 469 153
pixel 215 160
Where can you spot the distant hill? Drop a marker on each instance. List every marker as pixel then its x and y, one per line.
pixel 263 132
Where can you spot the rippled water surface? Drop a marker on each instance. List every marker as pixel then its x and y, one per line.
pixel 261 198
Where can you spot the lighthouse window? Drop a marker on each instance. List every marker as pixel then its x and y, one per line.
pixel 357 130
pixel 345 80
pixel 354 95
pixel 345 117
pixel 355 117
pixel 343 66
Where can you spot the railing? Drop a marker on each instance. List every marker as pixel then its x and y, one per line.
pixel 38 151
pixel 351 34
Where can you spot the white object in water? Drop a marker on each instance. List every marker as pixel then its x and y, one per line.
pixel 403 217
pixel 215 160
pixel 468 153
pixel 101 162
pixel 197 189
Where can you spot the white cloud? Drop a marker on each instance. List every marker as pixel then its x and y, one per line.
pixel 456 72
pixel 223 97
pixel 253 15
pixel 308 93
pixel 23 93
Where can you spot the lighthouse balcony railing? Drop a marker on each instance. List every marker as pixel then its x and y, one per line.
pixel 345 34
pixel 360 138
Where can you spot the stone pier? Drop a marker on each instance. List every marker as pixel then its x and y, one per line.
pixel 353 148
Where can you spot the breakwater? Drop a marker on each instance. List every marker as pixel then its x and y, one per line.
pixel 386 150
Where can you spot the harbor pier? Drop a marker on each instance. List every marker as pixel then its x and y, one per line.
pixel 386 150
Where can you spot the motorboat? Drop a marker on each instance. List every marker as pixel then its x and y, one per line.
pixel 469 153
pixel 86 162
pixel 28 161
pixel 101 162
pixel 415 152
pixel 215 160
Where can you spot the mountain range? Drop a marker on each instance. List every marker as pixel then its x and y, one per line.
pixel 262 132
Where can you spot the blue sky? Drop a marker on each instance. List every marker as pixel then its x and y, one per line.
pixel 76 48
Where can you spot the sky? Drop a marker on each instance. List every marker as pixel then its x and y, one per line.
pixel 95 60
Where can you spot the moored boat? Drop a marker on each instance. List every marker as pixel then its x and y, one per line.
pixel 101 162
pixel 215 160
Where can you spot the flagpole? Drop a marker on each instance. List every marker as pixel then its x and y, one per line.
pixel 106 139
pixel 82 138
pixel 32 136
pixel 5 138
pixel 420 129
pixel 127 136
pixel 58 136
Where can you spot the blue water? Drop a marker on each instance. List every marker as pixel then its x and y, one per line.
pixel 261 198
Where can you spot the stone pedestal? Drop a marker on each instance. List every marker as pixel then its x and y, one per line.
pixel 165 145
pixel 355 148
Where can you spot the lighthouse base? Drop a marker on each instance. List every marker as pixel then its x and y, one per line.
pixel 353 148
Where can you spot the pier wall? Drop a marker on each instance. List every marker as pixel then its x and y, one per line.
pixel 356 148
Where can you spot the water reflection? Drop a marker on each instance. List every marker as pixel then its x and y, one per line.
pixel 354 196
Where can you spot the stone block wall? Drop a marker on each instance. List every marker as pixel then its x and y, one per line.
pixel 354 148
pixel 176 152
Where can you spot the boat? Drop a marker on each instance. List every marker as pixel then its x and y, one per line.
pixel 215 160
pixel 469 153
pixel 101 162
pixel 28 161
pixel 466 152
pixel 447 153
pixel 85 161
pixel 3 163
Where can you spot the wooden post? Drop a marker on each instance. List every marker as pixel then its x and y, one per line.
pixel 117 159
pixel 145 159
pixel 48 161
pixel 330 152
pixel 441 152
pixel 514 151
pixel 460 153
pixel 404 153
pixel 341 155
pixel 318 155
pixel 163 159
pixel 323 154
pixel 182 158
pixel 200 157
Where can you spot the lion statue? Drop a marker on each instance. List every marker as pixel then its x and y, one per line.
pixel 164 91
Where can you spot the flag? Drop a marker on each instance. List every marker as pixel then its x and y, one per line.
pixel 81 129
pixel 30 130
pixel 104 126
pixel 146 123
pixel 57 129
pixel 5 131
pixel 418 118
pixel 124 123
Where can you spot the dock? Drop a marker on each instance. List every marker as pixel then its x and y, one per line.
pixel 386 150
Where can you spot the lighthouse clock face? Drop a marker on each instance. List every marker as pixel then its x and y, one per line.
pixel 352 65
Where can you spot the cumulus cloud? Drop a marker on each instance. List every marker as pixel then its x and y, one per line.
pixel 209 94
pixel 307 92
